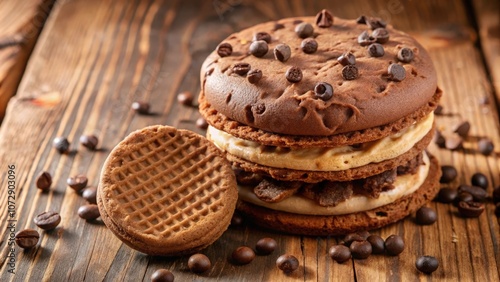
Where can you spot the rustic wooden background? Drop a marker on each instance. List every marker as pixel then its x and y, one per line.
pixel 94 57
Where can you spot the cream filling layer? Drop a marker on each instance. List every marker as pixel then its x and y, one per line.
pixel 404 185
pixel 323 159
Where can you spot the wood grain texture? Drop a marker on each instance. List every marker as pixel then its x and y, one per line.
pixel 95 58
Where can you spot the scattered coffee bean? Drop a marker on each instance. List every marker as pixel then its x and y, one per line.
pixel 47 220
pixel 258 48
pixel 485 146
pixel 364 39
pixel 350 72
pixel 282 52
pixel 480 180
pixel 438 110
pixel 236 220
pixel 309 45
pixel 426 216
pixel 141 107
pixel 351 237
pixel 241 68
pixel 361 249
pixel 375 23
pixel 88 212
pixel 43 181
pixel 27 238
pixel 463 129
pixel 224 49
pixel 201 123
pixel 185 98
pixel 396 72
pixel 347 59
pixel 77 182
pixel 266 246
pixel 243 255
pixel 262 36
pixel 439 139
pixel 447 195
pixel 394 245
pixel 364 234
pixel 453 142
pixel 304 30
pixel 61 144
pixel 448 174
pixel 199 263
pixel 340 253
pixel 478 193
pixel 323 91
pixel 470 209
pixel 89 141
pixel 324 19
pixel 294 74
pixel 361 20
pixel 287 263
pixel 405 55
pixel 90 194
pixel 381 35
pixel 496 194
pixel 162 275
pixel 378 244
pixel 254 76
pixel 427 264
pixel 463 197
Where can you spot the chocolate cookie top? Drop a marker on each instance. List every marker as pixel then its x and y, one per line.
pixel 318 76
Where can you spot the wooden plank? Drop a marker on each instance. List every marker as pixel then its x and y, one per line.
pixel 151 50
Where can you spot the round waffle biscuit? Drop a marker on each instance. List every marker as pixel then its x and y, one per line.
pixel 166 192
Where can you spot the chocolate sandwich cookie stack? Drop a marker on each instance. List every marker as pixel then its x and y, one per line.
pixel 325 122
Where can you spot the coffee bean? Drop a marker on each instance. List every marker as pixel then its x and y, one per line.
pixel 243 255
pixel 258 48
pixel 294 74
pixel 439 139
pixel 381 35
pixel 364 234
pixel 394 245
pixel 89 212
pixel 375 23
pixel 340 253
pixel 463 129
pixel 426 216
pixel 405 55
pixel 438 110
pixel 448 174
pixel 478 193
pixel 304 30
pixel 496 194
pixel 351 237
pixel 361 249
pixel 480 180
pixel 224 49
pixel 485 146
pixel 89 141
pixel 396 72
pixel 361 20
pixel 470 209
pixel 309 45
pixel 61 144
pixel 141 107
pixel 237 220
pixel 350 72
pixel 463 197
pixel 47 220
pixel 90 194
pixel 364 39
pixel 43 181
pixel 266 246
pixel 185 98
pixel 454 142
pixel 282 52
pixel 447 195
pixel 77 182
pixel 241 68
pixel 347 59
pixel 262 36
pixel 324 19
pixel 162 275
pixel 201 123
pixel 199 263
pixel 254 76
pixel 287 263
pixel 377 243
pixel 323 91
pixel 27 238
pixel 427 264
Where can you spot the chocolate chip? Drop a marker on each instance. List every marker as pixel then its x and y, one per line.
pixel 243 255
pixel 361 20
pixel 47 220
pixel 463 197
pixel 405 55
pixel 224 49
pixel 378 244
pixel 485 146
pixel 266 246
pixel 294 74
pixel 478 193
pixel 199 263
pixel 304 30
pixel 141 107
pixel 27 238
pixel 287 263
pixel 438 110
pixel 89 212
pixel 453 142
pixel 396 72
pixel 259 108
pixel 480 180
pixel 339 253
pixel 376 50
pixel 241 68
pixel 323 91
pixel 90 194
pixel 448 174
pixel 439 139
pixel 262 36
pixel 278 26
pixel 462 129
pixel 201 123
pixel 394 245
pixel 324 19
pixel 496 194
pixel 426 216
pixel 364 39
pixel 350 72
pixel 309 45
pixel 77 182
pixel 447 195
pixel 360 249
pixel 61 144
pixel 282 52
pixel 254 76
pixel 375 23
pixel 272 191
pixel 162 275
pixel 427 264
pixel 89 141
pixel 43 181
pixel 347 59
pixel 470 209
pixel 185 98
pixel 381 35
pixel 258 48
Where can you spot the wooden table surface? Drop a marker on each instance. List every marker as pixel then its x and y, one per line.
pixel 93 58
